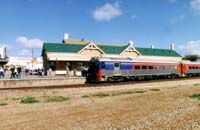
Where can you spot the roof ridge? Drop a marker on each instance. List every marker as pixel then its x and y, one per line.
pixel 105 44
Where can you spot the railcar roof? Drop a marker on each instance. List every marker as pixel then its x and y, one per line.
pixel 191 63
pixel 134 60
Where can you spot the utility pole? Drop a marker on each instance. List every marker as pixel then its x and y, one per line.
pixel 32 57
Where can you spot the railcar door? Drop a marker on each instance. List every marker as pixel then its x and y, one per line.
pixel 117 71
pixel 92 72
pixel 182 69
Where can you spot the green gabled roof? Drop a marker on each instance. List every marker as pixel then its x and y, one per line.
pixel 112 49
pixel 75 41
pixel 157 52
pixel 108 49
pixel 62 47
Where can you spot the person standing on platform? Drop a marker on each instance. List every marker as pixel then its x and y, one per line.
pixel 19 69
pixel 12 72
pixel 67 71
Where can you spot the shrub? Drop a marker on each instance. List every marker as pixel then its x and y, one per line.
pixel 28 100
pixel 195 96
pixel 57 99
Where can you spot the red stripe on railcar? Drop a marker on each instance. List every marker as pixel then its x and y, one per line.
pixel 100 75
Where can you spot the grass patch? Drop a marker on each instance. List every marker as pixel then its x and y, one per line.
pixel 196 84
pixel 3 104
pixel 15 99
pixel 127 92
pixel 29 100
pixel 195 96
pixel 140 91
pixel 155 89
pixel 100 95
pixel 85 96
pixel 116 94
pixel 57 99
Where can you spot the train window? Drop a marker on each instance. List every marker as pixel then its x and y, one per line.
pixel 137 67
pixel 162 67
pixel 150 67
pixel 193 67
pixel 116 65
pixel 168 68
pixel 196 67
pixel 156 67
pixel 144 67
pixel 190 67
pixel 103 65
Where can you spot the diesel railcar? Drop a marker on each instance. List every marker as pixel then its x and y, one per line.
pixel 121 69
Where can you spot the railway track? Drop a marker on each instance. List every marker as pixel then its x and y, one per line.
pixel 97 85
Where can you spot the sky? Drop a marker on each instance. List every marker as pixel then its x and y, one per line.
pixel 26 24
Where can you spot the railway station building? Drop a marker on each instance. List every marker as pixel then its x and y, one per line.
pixel 76 54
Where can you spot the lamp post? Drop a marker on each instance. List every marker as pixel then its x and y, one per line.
pixel 32 58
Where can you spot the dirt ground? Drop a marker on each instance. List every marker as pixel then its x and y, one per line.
pixel 149 106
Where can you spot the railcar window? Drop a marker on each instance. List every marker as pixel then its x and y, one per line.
pixel 167 67
pixel 173 67
pixel 150 67
pixel 197 67
pixel 162 67
pixel 193 67
pixel 137 67
pixel 116 65
pixel 144 67
pixel 156 67
pixel 190 67
pixel 103 65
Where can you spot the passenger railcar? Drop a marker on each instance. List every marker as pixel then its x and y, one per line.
pixel 120 69
pixel 190 69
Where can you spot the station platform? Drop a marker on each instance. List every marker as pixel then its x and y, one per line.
pixel 39 82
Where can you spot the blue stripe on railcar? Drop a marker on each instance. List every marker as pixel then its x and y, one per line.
pixel 106 65
pixel 126 66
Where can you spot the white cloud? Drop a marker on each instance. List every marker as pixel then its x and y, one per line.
pixel 195 6
pixel 191 48
pixel 107 12
pixel 29 43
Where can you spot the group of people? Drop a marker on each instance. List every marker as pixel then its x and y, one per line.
pixel 83 69
pixel 15 72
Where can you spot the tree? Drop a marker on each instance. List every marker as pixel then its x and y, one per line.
pixel 192 58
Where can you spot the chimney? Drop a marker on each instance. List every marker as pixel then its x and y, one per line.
pixel 152 46
pixel 172 46
pixel 66 36
pixel 131 43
